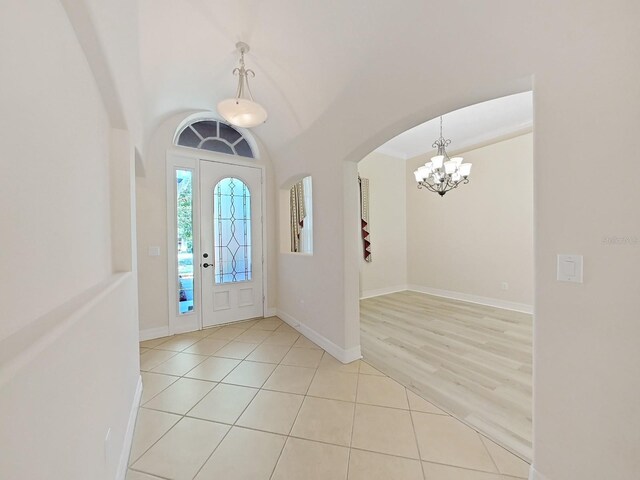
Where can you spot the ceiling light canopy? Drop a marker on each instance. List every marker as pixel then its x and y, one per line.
pixel 242 111
pixel 442 173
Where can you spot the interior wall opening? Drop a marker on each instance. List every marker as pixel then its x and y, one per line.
pixel 446 281
pixel 296 217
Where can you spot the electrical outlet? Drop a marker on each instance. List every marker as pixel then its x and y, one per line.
pixel 505 286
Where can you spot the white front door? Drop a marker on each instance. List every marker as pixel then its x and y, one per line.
pixel 231 242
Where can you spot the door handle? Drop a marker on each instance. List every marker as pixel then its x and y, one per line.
pixel 207 265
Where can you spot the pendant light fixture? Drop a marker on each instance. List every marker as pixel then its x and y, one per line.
pixel 242 111
pixel 442 173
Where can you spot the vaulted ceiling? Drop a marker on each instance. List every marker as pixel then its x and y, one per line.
pixel 341 67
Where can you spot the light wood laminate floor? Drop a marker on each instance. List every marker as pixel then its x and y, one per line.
pixel 471 360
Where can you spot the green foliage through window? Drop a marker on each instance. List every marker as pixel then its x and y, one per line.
pixel 185 211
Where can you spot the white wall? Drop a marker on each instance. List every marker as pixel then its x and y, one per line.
pixel 68 343
pixel 586 356
pixel 480 235
pixel 583 59
pixel 55 162
pixel 312 288
pixel 387 225
pixel 68 380
pixel 151 200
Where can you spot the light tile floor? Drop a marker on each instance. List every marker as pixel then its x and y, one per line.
pixel 258 401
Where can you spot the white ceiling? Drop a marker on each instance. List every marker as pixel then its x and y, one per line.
pixel 316 63
pixel 466 127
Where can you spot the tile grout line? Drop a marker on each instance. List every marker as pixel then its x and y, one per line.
pixel 154 443
pixel 415 434
pixel 148 400
pixel 185 414
pixel 489 453
pixel 214 450
pixel 294 421
pixel 147 473
pixel 289 435
pixel 182 417
pixel 353 419
pixel 475 470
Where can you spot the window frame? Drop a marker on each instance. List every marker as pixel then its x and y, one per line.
pixel 190 124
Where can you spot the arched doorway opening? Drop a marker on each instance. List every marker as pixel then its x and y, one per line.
pixel 446 300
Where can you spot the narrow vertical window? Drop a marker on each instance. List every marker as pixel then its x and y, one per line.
pixel 232 231
pixel 184 202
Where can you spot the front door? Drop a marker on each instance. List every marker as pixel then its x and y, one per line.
pixel 231 242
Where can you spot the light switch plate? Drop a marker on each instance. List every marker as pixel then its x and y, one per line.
pixel 154 251
pixel 569 268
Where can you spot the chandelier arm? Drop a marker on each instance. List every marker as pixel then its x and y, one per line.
pixel 428 186
pixel 248 73
pixel 240 89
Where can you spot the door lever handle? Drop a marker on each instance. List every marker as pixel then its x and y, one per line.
pixel 207 265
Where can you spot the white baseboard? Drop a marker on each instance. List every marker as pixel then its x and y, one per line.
pixel 344 355
pixel 121 473
pixel 270 312
pixel 382 291
pixel 466 297
pixel 535 475
pixel 151 333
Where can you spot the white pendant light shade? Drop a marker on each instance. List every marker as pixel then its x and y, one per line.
pixel 423 172
pixel 242 112
pixel 457 160
pixel 465 169
pixel 437 161
pixel 419 177
pixel 449 167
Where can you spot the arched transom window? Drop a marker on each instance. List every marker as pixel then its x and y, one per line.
pixel 216 137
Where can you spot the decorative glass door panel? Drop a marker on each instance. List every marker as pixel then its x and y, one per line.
pixel 231 242
pixel 184 240
pixel 232 231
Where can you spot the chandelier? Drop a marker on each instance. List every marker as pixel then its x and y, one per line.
pixel 242 111
pixel 442 173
